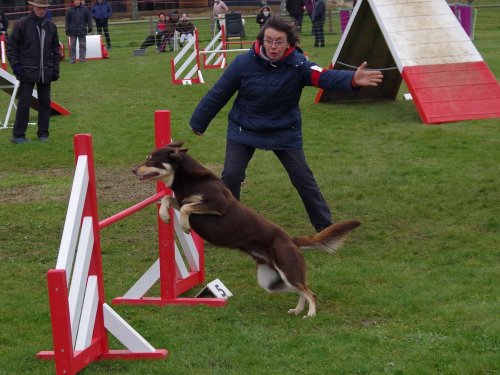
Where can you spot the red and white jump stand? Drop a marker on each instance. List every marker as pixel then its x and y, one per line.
pixel 80 317
pixel 214 54
pixel 183 61
pixel 3 46
pixel 169 269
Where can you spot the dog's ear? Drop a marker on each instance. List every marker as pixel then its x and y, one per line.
pixel 178 153
pixel 176 144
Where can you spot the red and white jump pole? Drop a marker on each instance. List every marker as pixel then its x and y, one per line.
pixel 169 269
pixel 79 315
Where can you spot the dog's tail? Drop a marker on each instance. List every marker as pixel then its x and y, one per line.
pixel 329 239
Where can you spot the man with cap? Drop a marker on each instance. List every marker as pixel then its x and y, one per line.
pixel 33 53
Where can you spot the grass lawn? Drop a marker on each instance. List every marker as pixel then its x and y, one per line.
pixel 413 291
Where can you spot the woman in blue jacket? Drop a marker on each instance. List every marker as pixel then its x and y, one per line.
pixel 269 79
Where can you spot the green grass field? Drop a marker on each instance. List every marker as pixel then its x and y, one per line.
pixel 413 291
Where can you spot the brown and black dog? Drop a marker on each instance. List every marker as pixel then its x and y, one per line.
pixel 208 207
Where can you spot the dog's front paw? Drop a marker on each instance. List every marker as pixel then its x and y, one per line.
pixel 165 217
pixel 186 228
pixel 294 311
pixel 185 225
pixel 164 214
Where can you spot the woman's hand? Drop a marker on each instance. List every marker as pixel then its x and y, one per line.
pixel 364 77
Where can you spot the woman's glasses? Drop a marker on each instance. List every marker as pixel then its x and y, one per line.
pixel 277 43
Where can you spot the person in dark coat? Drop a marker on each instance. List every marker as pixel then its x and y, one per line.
pixel 33 53
pixel 263 15
pixel 296 10
pixel 309 6
pixel 318 20
pixel 4 23
pixel 268 80
pixel 101 12
pixel 78 24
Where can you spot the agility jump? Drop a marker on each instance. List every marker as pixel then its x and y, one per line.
pixel 175 278
pixel 185 61
pixel 214 56
pixel 80 317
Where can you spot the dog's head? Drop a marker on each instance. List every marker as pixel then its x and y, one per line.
pixel 161 164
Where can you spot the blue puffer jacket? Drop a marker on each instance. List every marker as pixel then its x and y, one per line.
pixel 101 11
pixel 266 112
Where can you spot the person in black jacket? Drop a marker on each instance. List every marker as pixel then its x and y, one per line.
pixel 33 53
pixel 296 10
pixel 4 23
pixel 78 24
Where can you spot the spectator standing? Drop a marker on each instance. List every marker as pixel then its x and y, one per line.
pixel 33 53
pixel 185 28
pixel 78 24
pixel 219 10
pixel 318 19
pixel 101 12
pixel 265 115
pixel 263 15
pixel 296 10
pixel 309 5
pixel 4 23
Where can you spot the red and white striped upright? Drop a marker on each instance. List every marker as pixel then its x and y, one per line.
pixel 80 317
pixel 3 47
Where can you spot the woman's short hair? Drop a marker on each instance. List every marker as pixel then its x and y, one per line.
pixel 280 24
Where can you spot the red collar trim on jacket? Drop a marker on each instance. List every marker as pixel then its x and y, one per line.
pixel 288 51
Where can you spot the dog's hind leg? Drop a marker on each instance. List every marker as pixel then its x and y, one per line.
pixel 300 306
pixel 274 281
pixel 308 296
pixel 270 280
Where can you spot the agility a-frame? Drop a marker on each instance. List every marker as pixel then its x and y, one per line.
pixel 422 43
